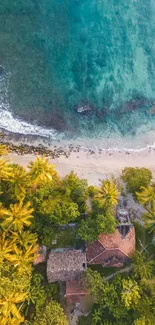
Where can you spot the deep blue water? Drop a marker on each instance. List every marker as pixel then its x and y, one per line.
pixel 60 53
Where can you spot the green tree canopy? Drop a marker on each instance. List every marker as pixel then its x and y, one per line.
pixel 60 210
pixel 90 228
pixel 135 178
pixel 51 314
pixel 143 267
pixel 76 189
pixel 131 293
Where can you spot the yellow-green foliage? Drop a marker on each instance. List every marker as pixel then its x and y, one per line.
pixel 18 244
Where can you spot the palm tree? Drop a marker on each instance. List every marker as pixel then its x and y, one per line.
pixel 24 238
pixel 143 267
pixel 17 217
pixel 97 316
pixel 147 196
pixel 18 183
pixel 149 218
pixel 3 150
pixel 42 171
pixel 108 194
pixel 22 259
pixel 9 311
pixel 11 321
pixel 5 170
pixel 6 247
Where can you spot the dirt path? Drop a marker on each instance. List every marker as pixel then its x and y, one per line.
pixel 127 269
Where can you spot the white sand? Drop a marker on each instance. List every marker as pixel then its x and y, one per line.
pixel 96 166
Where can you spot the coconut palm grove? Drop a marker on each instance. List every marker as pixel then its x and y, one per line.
pixel 40 209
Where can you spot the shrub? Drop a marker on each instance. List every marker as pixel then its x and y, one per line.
pixel 135 178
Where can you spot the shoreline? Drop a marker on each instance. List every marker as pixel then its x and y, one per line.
pixel 111 139
pixel 30 143
pixel 91 165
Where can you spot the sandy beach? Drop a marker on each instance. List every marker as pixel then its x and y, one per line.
pixel 96 166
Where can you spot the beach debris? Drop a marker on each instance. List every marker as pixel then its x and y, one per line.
pixel 53 153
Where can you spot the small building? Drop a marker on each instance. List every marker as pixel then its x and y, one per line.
pixel 76 290
pixel 41 255
pixel 66 265
pixel 78 296
pixel 114 249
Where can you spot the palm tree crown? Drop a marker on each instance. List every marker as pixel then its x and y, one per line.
pixel 9 308
pixel 18 183
pixel 3 150
pixel 149 218
pixel 5 170
pixel 147 196
pixel 143 267
pixel 22 259
pixel 24 238
pixel 108 194
pixel 42 171
pixel 17 217
pixel 5 247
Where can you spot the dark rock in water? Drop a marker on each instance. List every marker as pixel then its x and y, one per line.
pixel 84 108
pixel 102 113
pixel 133 104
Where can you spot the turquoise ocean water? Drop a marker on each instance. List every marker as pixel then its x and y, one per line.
pixel 56 55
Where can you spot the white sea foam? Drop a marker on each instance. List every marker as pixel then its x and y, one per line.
pixel 12 124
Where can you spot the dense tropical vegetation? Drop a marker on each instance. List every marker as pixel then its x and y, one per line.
pixel 24 292
pixel 35 206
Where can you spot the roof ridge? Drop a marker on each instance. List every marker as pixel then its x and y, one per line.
pixel 122 251
pixel 110 249
pixel 123 240
pixel 100 242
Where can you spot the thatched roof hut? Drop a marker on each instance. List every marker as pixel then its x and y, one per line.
pixel 64 265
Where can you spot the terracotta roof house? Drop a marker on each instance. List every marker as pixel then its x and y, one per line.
pixel 66 264
pixel 116 248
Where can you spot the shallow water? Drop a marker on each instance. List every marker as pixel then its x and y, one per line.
pixel 60 53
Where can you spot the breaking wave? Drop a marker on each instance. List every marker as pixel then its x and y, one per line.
pixel 12 124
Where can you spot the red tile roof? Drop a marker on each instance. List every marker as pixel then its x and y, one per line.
pixel 76 290
pixel 110 240
pixel 112 249
pixel 128 244
pixel 76 287
pixel 94 250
